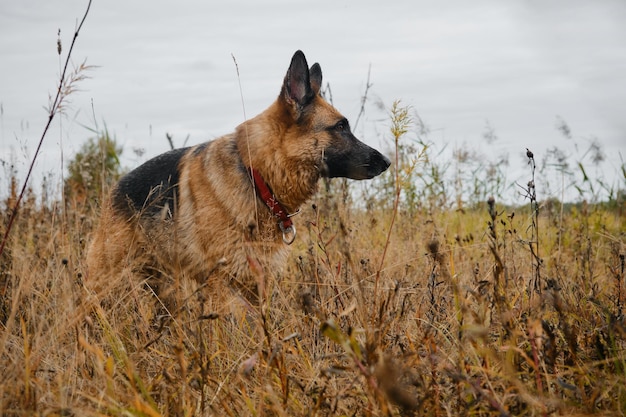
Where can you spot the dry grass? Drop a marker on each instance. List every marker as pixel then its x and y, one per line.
pixel 449 326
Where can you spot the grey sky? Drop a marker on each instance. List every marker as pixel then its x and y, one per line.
pixel 166 66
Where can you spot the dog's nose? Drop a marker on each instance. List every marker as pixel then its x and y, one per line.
pixel 379 164
pixel 387 162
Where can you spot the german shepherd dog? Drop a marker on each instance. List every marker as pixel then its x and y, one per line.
pixel 223 207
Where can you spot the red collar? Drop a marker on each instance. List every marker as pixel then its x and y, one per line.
pixel 264 192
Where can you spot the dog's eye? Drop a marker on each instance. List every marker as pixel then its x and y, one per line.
pixel 342 126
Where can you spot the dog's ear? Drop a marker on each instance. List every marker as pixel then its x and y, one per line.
pixel 316 78
pixel 297 85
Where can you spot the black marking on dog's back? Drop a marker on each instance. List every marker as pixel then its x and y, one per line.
pixel 150 187
pixel 200 148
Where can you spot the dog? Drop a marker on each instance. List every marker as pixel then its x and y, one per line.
pixel 223 208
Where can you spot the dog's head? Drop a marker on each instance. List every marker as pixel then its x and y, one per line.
pixel 323 131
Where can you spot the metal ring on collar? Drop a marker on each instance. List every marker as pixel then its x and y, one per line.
pixel 289 233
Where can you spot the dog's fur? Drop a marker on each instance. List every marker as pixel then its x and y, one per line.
pixel 195 210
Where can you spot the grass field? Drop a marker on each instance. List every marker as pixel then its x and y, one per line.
pixel 394 301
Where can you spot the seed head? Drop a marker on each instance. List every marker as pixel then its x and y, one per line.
pixel 59 47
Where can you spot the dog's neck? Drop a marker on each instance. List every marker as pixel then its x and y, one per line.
pixel 292 182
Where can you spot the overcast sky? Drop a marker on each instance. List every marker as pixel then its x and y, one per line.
pixel 166 66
